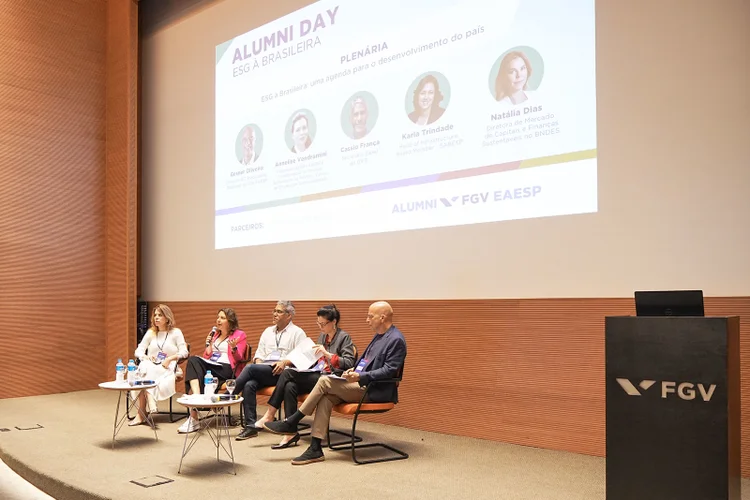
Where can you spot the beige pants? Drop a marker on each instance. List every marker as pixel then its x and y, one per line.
pixel 327 393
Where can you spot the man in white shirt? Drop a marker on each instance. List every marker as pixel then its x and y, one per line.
pixel 269 361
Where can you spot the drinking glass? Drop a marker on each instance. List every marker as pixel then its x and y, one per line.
pixel 231 383
pixel 141 372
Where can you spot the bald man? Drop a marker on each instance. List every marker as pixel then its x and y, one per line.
pixel 381 360
pixel 358 118
pixel 248 145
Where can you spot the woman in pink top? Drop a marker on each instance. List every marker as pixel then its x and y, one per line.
pixel 225 348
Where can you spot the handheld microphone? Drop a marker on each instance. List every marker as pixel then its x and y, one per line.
pixel 224 397
pixel 213 332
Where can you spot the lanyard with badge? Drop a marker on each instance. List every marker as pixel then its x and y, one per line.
pixel 215 355
pixel 161 356
pixel 276 355
pixel 361 365
pixel 321 366
pixel 363 362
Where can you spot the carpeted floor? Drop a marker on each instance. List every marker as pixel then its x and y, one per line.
pixel 66 452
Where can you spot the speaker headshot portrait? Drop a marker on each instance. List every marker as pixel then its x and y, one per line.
pixel 516 75
pixel 300 131
pixel 249 144
pixel 359 115
pixel 427 98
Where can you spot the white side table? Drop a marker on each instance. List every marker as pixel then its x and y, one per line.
pixel 220 430
pixel 124 387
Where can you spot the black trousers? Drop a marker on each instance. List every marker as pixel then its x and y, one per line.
pixel 197 368
pixel 253 377
pixel 291 384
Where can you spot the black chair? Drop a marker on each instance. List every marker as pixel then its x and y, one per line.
pixel 357 409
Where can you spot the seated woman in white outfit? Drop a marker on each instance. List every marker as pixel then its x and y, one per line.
pixel 162 347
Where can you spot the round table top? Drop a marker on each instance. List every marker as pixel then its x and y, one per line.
pixel 124 386
pixel 203 401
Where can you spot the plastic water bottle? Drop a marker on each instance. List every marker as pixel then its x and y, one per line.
pixel 208 384
pixel 131 372
pixel 119 371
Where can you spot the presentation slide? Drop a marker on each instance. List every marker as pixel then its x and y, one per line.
pixel 361 117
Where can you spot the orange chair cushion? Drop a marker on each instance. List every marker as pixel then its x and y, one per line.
pixel 265 391
pixel 351 408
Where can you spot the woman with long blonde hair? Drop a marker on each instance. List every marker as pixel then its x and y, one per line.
pixel 159 351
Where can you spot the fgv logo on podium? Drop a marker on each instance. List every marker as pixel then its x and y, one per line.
pixel 683 390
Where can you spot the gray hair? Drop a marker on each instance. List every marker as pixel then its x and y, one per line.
pixel 288 306
pixel 358 100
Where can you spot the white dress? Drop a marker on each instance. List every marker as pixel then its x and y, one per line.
pixel 170 343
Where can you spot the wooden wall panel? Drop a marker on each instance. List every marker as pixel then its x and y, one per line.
pixel 156 14
pixel 529 372
pixel 122 179
pixel 52 147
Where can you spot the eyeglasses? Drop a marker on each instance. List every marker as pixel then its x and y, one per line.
pixel 322 325
pixel 279 311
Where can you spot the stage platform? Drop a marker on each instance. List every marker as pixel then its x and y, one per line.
pixel 62 444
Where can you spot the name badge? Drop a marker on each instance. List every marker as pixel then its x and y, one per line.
pixel 274 356
pixel 215 356
pixel 161 357
pixel 361 365
pixel 320 366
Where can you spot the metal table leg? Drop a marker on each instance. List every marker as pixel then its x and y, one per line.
pixel 117 424
pixel 217 434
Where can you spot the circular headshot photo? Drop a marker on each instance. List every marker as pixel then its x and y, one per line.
pixel 359 115
pixel 427 98
pixel 300 131
pixel 516 75
pixel 249 144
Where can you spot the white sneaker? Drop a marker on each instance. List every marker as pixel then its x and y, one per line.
pixel 190 425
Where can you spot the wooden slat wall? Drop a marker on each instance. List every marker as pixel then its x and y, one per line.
pixel 122 178
pixel 52 151
pixel 68 187
pixel 529 372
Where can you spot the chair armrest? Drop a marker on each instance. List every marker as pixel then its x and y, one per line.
pixel 248 355
pixel 394 380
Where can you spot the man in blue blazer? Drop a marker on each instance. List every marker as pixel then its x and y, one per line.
pixel 381 360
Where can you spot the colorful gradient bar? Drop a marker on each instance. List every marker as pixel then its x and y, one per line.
pixel 415 181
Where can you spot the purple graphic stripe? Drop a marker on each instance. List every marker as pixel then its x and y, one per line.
pixel 414 181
